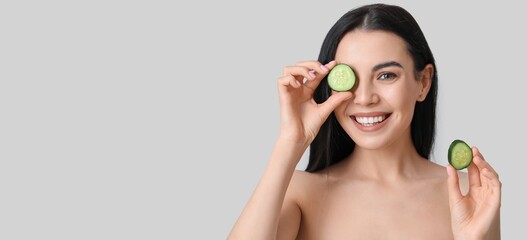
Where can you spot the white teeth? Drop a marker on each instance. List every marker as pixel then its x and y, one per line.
pixel 368 121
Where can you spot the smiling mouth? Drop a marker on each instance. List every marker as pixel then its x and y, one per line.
pixel 370 121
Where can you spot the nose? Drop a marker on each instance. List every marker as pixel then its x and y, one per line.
pixel 365 94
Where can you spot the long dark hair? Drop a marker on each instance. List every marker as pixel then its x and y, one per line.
pixel 333 144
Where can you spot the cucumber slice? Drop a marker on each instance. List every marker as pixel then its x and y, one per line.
pixel 341 78
pixel 459 154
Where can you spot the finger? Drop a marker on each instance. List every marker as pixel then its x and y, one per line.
pixel 320 72
pixel 489 177
pixel 482 164
pixel 473 176
pixel 454 192
pixel 494 185
pixel 316 67
pixel 299 72
pixel 332 102
pixel 476 152
pixel 309 71
pixel 289 81
pixel 492 178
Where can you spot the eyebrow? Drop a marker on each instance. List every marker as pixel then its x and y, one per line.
pixel 386 64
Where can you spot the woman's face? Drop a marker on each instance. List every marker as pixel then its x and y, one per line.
pixel 384 97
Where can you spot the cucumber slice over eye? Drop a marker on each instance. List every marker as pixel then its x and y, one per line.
pixel 459 154
pixel 341 78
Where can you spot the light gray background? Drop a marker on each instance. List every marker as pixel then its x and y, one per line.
pixel 155 119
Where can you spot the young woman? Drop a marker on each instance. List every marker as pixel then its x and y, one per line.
pixel 368 176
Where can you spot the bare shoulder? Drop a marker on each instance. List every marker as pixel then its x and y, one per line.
pixel 302 179
pixel 305 183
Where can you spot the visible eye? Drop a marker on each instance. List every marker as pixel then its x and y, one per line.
pixel 386 76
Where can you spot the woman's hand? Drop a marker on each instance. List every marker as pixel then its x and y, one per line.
pixel 475 215
pixel 300 116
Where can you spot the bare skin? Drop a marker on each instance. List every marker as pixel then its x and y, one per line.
pixel 340 204
pixel 384 189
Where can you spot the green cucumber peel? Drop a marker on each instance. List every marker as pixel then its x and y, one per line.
pixel 459 154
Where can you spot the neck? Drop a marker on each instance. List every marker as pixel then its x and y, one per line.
pixel 396 161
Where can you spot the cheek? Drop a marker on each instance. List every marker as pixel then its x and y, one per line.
pixel 402 100
pixel 403 95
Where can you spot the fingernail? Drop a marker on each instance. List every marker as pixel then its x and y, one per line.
pixel 312 73
pixel 329 63
pixel 324 68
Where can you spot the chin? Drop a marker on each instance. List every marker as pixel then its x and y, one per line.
pixel 370 143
